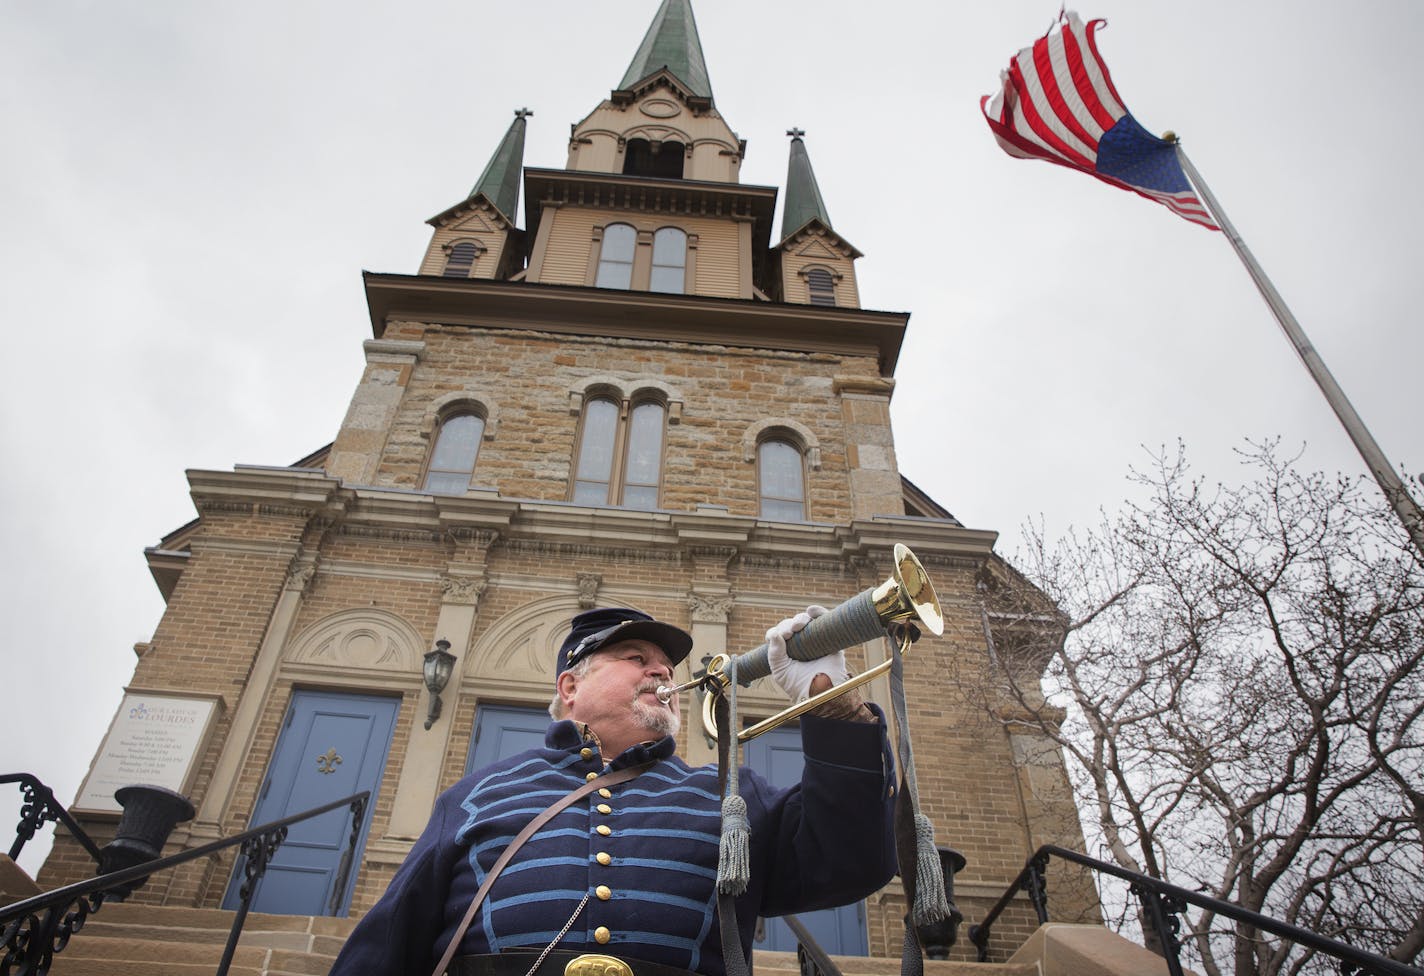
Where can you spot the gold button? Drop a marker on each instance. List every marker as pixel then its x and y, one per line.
pixel 586 752
pixel 604 829
pixel 603 857
pixel 604 808
pixel 603 892
pixel 591 777
pixel 605 792
pixel 601 935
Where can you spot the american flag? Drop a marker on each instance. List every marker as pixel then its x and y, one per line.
pixel 1058 103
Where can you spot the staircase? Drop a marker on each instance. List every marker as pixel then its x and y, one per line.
pixel 147 940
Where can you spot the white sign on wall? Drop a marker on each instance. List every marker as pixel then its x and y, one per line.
pixel 155 740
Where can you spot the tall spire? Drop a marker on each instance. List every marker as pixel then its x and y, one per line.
pixel 803 196
pixel 500 180
pixel 672 43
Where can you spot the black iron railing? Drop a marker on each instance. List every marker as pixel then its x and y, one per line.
pixel 1162 903
pixel 35 929
pixel 38 808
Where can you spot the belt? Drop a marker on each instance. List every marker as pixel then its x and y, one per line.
pixel 516 962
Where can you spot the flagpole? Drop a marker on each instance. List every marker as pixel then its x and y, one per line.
pixel 1390 483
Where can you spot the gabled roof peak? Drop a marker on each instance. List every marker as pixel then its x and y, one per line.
pixel 672 43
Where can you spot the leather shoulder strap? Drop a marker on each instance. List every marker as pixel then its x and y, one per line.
pixel 607 779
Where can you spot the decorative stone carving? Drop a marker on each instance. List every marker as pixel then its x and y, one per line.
pixel 588 584
pixel 300 575
pixel 364 638
pixel 707 609
pixel 463 590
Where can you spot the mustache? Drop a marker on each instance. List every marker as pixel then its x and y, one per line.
pixel 649 687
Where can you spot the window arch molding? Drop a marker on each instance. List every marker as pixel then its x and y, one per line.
pixel 626 391
pixel 460 402
pixel 782 428
pixel 461 255
pixel 820 280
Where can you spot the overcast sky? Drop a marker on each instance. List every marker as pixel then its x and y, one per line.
pixel 191 191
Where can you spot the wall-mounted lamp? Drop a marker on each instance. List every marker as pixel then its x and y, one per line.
pixel 439 665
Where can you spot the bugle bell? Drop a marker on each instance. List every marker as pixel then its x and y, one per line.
pixel 907 595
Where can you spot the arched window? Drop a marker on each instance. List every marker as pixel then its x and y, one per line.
pixel 642 470
pixel 620 454
pixel 461 259
pixel 452 462
pixel 595 461
pixel 782 481
pixel 615 258
pixel 661 160
pixel 821 286
pixel 669 261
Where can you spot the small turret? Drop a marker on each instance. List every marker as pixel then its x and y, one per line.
pixel 817 265
pixel 477 238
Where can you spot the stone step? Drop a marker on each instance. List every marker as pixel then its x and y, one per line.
pixel 127 939
pixel 767 963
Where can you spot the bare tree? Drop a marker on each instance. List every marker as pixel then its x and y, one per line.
pixel 1242 670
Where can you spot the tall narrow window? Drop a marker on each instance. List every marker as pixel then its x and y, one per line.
pixel 782 482
pixel 615 258
pixel 822 286
pixel 595 464
pixel 643 469
pixel 452 463
pixel 669 261
pixel 462 258
pixel 620 454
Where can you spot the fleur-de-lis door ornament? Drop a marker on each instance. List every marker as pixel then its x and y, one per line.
pixel 328 761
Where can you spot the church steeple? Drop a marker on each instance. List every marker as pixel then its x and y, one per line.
pixel 803 196
pixel 671 43
pixel 817 265
pixel 476 238
pixel 500 180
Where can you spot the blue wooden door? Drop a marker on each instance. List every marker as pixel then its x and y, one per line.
pixel 331 745
pixel 777 756
pixel 502 731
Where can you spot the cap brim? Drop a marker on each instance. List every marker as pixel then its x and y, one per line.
pixel 675 642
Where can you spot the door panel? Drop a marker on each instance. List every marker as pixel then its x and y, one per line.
pixel 331 745
pixel 502 731
pixel 777 756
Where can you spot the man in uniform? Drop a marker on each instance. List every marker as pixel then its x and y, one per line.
pixel 630 871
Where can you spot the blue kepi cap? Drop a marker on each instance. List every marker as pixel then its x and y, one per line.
pixel 593 629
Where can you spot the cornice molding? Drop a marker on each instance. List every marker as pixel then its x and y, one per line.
pixel 610 313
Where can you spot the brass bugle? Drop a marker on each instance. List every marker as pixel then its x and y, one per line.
pixel 906 595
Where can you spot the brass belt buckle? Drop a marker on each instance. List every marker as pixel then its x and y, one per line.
pixel 591 964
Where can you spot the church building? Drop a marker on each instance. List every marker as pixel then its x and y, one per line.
pixel 638 390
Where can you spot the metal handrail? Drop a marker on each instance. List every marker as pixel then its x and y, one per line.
pixel 39 808
pixel 811 958
pixel 1163 902
pixel 35 929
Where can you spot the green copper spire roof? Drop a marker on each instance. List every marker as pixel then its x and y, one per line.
pixel 803 196
pixel 500 180
pixel 672 43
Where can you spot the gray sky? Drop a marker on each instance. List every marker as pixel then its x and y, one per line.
pixel 190 192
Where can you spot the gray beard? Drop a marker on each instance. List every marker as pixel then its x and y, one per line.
pixel 657 718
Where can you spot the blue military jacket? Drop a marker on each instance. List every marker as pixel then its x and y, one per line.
pixel 645 851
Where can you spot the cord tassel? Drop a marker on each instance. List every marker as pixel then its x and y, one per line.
pixel 734 869
pixel 734 858
pixel 931 905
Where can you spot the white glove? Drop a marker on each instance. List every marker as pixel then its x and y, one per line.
pixel 792 676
